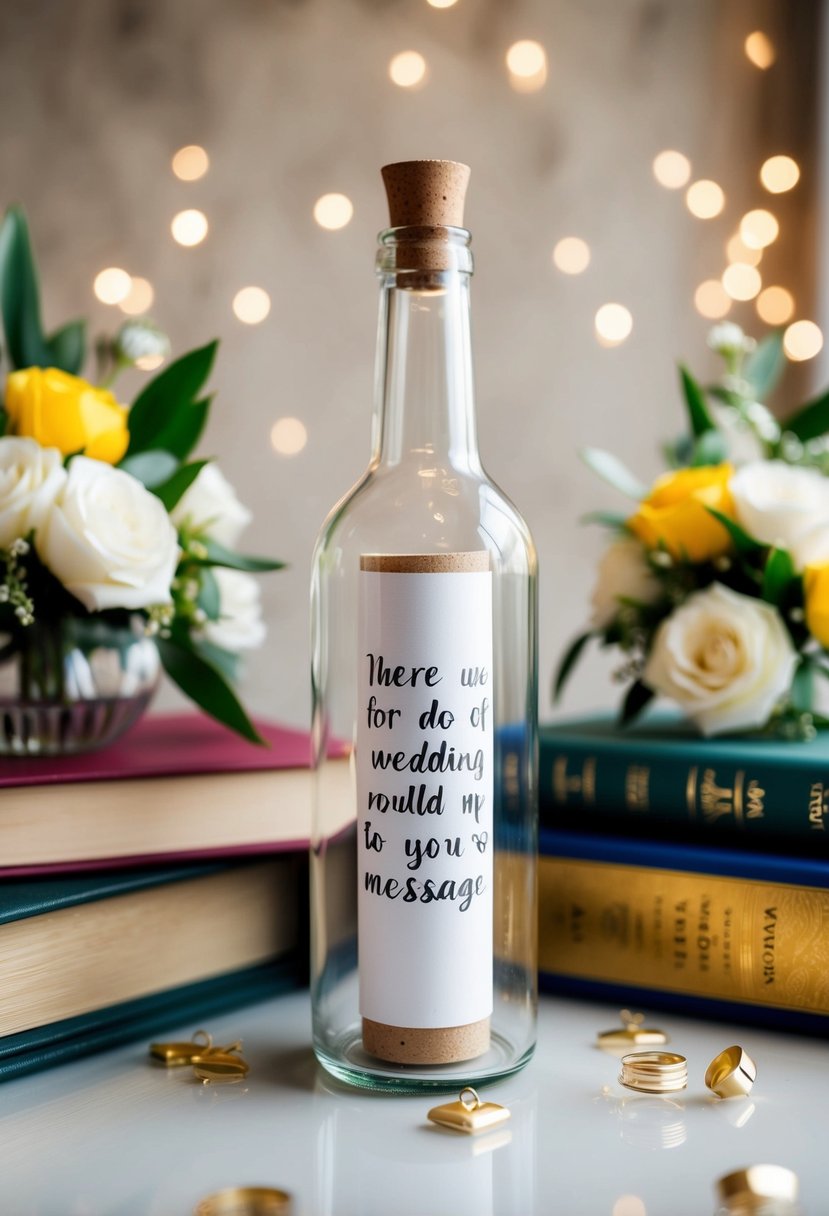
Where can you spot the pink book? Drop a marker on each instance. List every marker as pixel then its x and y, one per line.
pixel 177 786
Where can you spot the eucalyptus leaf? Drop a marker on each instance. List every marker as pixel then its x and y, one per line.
pixel 811 421
pixel 67 347
pixel 151 468
pixel 764 366
pixel 209 598
pixel 611 470
pixel 172 490
pixel 636 698
pixel 608 519
pixel 169 395
pixel 710 448
pixel 802 690
pixel 19 294
pixel 219 555
pixel 568 662
pixel 699 416
pixel 778 577
pixel 204 684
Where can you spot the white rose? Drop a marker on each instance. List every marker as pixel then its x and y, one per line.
pixel 240 625
pixel 108 540
pixel 725 658
pixel 210 505
pixel 623 573
pixel 778 503
pixel 30 478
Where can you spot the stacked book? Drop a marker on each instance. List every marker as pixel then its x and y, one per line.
pixel 148 885
pixel 686 873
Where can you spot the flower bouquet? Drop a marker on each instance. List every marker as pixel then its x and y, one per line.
pixel 715 587
pixel 117 549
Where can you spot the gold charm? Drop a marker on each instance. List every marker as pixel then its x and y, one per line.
pixel 631 1034
pixel 173 1055
pixel 220 1065
pixel 731 1074
pixel 246 1201
pixel 469 1114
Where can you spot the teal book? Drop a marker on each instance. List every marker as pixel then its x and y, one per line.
pixel 91 960
pixel 661 778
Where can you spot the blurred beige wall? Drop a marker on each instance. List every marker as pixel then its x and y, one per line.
pixel 293 100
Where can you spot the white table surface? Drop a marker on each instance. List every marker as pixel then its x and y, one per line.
pixel 117 1136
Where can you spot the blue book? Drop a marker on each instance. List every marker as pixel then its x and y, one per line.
pixel 91 960
pixel 659 777
pixel 693 929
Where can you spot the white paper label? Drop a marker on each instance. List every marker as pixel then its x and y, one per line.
pixel 425 792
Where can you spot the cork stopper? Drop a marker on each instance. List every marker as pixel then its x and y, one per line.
pixel 426 193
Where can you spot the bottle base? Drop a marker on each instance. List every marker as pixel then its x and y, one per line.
pixel 353 1066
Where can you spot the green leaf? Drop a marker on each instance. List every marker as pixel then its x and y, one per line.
pixel 611 470
pixel 184 429
pixel 636 698
pixel 803 687
pixel 743 543
pixel 203 683
pixel 151 468
pixel 568 662
pixel 699 416
pixel 67 347
pixel 209 599
pixel 778 576
pixel 177 486
pixel 765 364
pixel 170 394
pixel 726 395
pixel 19 294
pixel 607 519
pixel 223 660
pixel 811 421
pixel 218 555
pixel 710 448
pixel 4 421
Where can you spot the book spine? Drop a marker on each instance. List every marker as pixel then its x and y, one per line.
pixel 642 786
pixel 704 942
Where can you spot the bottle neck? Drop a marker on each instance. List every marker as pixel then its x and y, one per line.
pixel 425 409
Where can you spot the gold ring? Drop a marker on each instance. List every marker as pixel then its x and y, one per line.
pixel 759 1182
pixel 731 1074
pixel 246 1201
pixel 654 1072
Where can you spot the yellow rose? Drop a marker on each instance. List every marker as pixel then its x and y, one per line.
pixel 816 593
pixel 675 513
pixel 66 412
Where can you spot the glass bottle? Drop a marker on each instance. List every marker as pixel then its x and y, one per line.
pixel 424 680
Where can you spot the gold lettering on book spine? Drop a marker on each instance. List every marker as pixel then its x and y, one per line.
pixel 718 800
pixel 754 800
pixel 583 783
pixel 637 787
pixel 818 806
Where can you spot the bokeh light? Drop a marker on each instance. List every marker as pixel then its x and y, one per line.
pixel 760 50
pixel 705 199
pixel 407 69
pixel 802 340
pixel 613 324
pixel 190 163
pixel 629 1205
pixel 139 297
pixel 571 255
pixel 712 300
pixel 759 228
pixel 189 227
pixel 672 169
pixel 527 66
pixel 775 305
pixel 251 305
pixel 288 436
pixel 779 174
pixel 736 250
pixel 442 3
pixel 333 211
pixel 741 281
pixel 112 285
